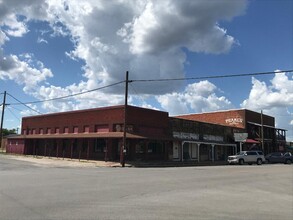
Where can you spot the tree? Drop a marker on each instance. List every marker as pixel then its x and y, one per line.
pixel 6 132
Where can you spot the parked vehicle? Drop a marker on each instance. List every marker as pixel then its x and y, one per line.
pixel 249 157
pixel 279 157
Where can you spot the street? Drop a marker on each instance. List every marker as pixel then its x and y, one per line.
pixel 30 191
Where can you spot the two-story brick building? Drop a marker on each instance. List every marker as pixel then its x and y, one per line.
pixel 150 134
pixel 260 128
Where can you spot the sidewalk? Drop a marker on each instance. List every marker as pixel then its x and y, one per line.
pixel 60 162
pixel 67 162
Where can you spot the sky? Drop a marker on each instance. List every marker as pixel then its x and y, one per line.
pixel 56 48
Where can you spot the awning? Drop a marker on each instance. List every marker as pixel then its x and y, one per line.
pixel 251 141
pixel 91 135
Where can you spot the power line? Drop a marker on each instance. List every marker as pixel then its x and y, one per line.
pixel 156 80
pixel 13 114
pixel 24 104
pixel 212 77
pixel 68 96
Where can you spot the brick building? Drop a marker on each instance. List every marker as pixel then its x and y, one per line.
pixel 246 121
pixel 150 134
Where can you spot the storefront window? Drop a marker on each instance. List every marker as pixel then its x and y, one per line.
pixel 155 148
pixel 100 145
pixel 139 148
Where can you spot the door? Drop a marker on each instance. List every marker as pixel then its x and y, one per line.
pixel 186 152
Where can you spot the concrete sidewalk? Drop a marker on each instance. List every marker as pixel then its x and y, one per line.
pixel 60 162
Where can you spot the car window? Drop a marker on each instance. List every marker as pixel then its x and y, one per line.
pixel 240 153
pixel 251 153
pixel 277 154
pixel 260 152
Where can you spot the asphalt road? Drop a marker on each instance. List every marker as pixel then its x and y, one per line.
pixel 33 192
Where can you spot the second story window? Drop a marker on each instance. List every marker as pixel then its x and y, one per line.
pixel 66 130
pixel 75 129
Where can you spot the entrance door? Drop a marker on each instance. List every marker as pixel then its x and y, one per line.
pixel 175 151
pixel 186 152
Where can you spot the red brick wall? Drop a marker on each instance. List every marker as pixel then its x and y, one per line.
pixel 105 118
pixel 91 118
pixel 233 118
pixel 15 146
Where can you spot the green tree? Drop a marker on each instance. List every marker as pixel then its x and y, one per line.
pixel 6 132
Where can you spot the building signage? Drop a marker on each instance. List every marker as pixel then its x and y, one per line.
pixel 234 121
pixel 207 137
pixel 240 137
pixel 120 128
pixel 184 135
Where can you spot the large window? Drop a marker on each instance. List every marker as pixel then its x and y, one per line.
pixel 100 145
pixel 155 148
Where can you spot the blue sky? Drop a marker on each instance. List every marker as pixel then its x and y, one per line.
pixel 56 48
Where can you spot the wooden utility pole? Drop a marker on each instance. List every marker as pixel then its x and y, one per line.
pixel 123 147
pixel 2 118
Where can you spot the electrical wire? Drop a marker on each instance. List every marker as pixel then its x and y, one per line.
pixel 212 77
pixel 13 114
pixel 24 104
pixel 68 96
pixel 157 80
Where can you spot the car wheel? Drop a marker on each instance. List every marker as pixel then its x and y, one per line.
pixel 241 162
pixel 259 161
pixel 288 161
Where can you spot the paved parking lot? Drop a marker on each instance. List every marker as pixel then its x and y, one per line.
pixel 30 190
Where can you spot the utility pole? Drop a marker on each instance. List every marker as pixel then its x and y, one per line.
pixel 2 118
pixel 123 148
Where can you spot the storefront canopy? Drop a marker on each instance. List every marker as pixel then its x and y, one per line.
pixel 251 141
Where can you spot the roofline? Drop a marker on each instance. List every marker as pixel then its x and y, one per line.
pixel 90 110
pixel 221 111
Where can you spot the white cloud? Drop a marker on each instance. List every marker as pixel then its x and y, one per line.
pixel 22 71
pixel 175 24
pixel 41 40
pixel 197 97
pixel 275 99
pixel 145 37
pixel 278 94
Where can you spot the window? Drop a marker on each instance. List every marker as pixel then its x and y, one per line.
pixel 75 129
pixel 66 130
pixel 57 130
pixel 86 129
pixel 139 148
pixel 48 130
pixel 101 128
pixel 155 148
pixel 100 145
pixel 41 131
pixel 251 153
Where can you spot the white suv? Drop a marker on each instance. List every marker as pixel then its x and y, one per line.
pixel 249 157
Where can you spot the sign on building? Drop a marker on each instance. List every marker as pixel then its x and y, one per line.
pixel 240 137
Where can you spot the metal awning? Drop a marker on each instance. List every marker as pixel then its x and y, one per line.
pixel 251 141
